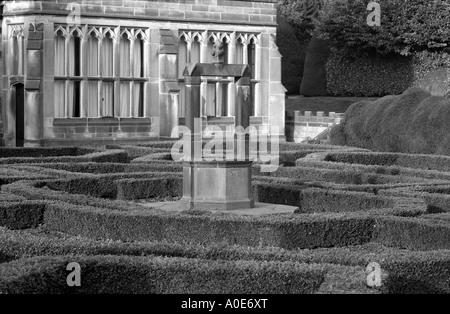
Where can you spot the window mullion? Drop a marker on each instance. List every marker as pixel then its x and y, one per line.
pixel 83 74
pixel 131 74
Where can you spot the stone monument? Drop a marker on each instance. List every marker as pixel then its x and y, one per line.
pixel 217 185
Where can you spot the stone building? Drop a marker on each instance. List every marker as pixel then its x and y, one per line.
pixel 78 71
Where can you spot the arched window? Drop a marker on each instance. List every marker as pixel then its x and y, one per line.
pixel 138 69
pixel 93 71
pixel 17 49
pixel 195 50
pixel 60 68
pixel 60 54
pixel 107 87
pixel 252 57
pixel 107 55
pixel 240 51
pixel 92 55
pixel 125 57
pixel 105 65
pixel 74 56
pixel 74 70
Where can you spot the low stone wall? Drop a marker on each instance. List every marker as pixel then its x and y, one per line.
pixel 306 125
pixel 101 130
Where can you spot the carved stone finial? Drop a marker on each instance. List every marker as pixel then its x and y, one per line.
pixel 218 52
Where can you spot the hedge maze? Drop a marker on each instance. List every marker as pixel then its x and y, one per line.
pixel 93 206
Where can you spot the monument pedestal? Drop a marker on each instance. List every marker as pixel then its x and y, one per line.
pixel 218 185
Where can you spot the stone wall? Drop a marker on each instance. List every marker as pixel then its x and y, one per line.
pixel 301 126
pixel 262 12
pixel 162 22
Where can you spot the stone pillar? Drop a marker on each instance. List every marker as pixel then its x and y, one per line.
pixel 193 141
pixel 276 106
pixel 168 75
pixel 258 64
pixel 116 73
pixel 231 90
pixel 204 84
pixel 243 110
pixel 263 74
pixel 152 90
pixel 33 86
pixel 193 121
pixel 147 74
pixel 49 81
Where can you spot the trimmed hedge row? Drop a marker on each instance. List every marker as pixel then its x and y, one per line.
pixel 37 191
pixel 137 151
pixel 428 162
pixel 347 176
pixel 319 200
pixel 384 170
pixel 152 157
pixel 407 270
pixel 437 203
pixel 156 275
pixel 131 189
pixel 7 197
pixel 305 231
pixel 412 233
pixel 108 168
pixel 300 231
pixel 23 215
pixel 39 152
pixel 114 156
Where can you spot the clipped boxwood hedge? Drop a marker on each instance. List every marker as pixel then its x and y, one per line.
pixel 23 215
pixel 143 225
pixel 114 156
pixel 39 152
pixel 427 162
pixel 131 189
pixel 319 200
pixel 412 233
pixel 158 275
pixel 437 202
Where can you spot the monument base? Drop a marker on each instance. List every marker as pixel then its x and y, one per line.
pixel 218 185
pixel 259 209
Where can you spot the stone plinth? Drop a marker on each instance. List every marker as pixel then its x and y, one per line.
pixel 217 185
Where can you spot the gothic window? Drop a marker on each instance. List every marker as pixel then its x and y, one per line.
pixel 252 58
pixel 112 59
pixel 107 55
pixel 17 50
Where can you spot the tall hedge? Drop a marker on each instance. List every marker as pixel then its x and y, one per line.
pixel 293 52
pixel 406 26
pixel 380 75
pixel 414 122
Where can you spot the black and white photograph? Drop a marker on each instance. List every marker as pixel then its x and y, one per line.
pixel 224 155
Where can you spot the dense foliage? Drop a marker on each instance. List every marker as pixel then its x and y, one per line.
pixel 406 26
pixel 302 14
pixel 413 122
